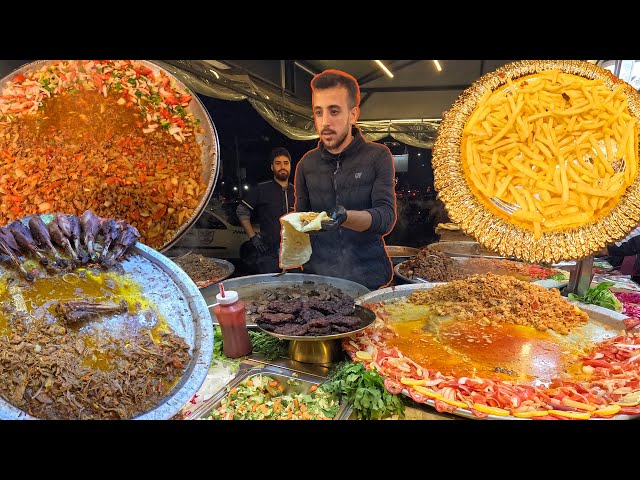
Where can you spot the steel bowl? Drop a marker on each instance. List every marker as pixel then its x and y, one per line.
pixel 207 139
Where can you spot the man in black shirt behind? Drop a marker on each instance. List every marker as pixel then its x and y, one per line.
pixel 266 204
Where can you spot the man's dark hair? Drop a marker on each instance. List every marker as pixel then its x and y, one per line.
pixel 278 152
pixel 334 78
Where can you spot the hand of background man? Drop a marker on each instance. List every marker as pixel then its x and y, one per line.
pixel 259 245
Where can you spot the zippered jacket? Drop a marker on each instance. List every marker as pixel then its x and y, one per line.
pixel 361 177
pixel 265 204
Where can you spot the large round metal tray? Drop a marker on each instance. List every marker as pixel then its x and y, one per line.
pixel 603 323
pixel 178 300
pixel 546 283
pixel 207 139
pixel 486 223
pixel 255 284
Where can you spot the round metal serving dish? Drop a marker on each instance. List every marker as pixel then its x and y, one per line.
pixel 546 283
pixel 253 285
pixel 178 300
pixel 207 139
pixel 603 323
pixel 481 219
pixel 399 253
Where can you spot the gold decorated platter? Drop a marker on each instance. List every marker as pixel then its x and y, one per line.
pixel 538 160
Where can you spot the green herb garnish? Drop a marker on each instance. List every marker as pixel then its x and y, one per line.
pixel 600 295
pixel 364 390
pixel 217 344
pixel 268 345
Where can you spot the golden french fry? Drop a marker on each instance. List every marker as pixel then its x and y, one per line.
pixel 561 146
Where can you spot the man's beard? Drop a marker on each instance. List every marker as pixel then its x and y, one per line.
pixel 337 142
pixel 282 175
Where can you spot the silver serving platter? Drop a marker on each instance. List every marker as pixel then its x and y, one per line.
pixel 207 139
pixel 603 323
pixel 546 283
pixel 253 285
pixel 178 300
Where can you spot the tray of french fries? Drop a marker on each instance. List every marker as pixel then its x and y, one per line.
pixel 538 160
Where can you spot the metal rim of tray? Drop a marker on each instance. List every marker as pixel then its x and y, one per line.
pixel 405 290
pixel 365 314
pixel 546 283
pixel 207 139
pixel 201 344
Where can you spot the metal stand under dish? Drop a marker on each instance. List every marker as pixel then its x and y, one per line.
pixel 323 349
pixel 580 277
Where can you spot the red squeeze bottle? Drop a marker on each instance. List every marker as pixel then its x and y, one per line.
pixel 231 315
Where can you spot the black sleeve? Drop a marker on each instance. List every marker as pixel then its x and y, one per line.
pixel 383 200
pixel 302 194
pixel 630 247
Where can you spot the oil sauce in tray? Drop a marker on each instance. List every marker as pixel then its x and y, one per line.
pixel 516 353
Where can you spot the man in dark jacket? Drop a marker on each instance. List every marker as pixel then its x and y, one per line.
pixel 350 179
pixel 266 204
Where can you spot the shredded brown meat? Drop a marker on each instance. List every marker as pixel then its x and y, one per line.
pixel 53 372
pixel 492 299
pixel 83 151
pixel 432 266
pixel 200 268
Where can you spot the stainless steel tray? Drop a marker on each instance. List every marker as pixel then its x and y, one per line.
pixel 226 265
pixel 546 283
pixel 255 284
pixel 178 300
pixel 207 139
pixel 304 380
pixel 603 323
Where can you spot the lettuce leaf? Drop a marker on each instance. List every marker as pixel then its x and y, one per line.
pixel 600 295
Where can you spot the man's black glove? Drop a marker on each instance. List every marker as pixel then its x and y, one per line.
pixel 259 245
pixel 338 216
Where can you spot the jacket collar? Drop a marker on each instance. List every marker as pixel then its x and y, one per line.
pixel 350 150
pixel 289 184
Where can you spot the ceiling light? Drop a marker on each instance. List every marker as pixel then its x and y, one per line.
pixel 385 69
pixel 309 71
pixel 438 67
pixel 215 73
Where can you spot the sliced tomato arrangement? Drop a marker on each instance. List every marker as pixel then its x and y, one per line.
pixel 611 385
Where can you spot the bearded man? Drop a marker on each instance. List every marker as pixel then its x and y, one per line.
pixel 353 181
